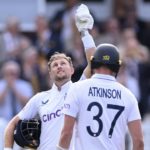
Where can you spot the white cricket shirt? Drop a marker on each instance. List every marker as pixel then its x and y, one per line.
pixel 48 105
pixel 103 108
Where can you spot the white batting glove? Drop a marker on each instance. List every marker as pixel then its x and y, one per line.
pixel 83 18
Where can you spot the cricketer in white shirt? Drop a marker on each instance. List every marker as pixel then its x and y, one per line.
pixel 102 108
pixel 48 105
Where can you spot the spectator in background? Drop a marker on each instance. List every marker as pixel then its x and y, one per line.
pixel 128 80
pixel 47 38
pixel 14 92
pixel 64 21
pixel 43 34
pixel 144 81
pixel 111 33
pixel 131 48
pixel 131 20
pixel 135 55
pixel 78 58
pixel 146 35
pixel 97 33
pixel 126 12
pixel 33 70
pixel 11 40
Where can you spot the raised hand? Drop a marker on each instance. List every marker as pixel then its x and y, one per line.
pixel 83 18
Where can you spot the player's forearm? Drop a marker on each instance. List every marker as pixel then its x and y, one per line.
pixel 9 132
pixel 138 144
pixel 9 136
pixel 65 140
pixel 90 48
pixel 135 129
pixel 88 43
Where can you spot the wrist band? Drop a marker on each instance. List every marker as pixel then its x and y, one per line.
pixel 7 148
pixel 84 32
pixel 87 40
pixel 60 148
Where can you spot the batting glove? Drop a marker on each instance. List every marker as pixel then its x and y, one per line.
pixel 83 18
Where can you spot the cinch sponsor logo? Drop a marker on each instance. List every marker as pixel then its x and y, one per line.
pixel 53 115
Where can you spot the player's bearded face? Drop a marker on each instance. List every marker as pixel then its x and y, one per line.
pixel 61 70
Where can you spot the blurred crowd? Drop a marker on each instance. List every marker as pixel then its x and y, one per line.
pixel 24 56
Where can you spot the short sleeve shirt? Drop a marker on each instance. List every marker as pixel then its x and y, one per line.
pixel 102 108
